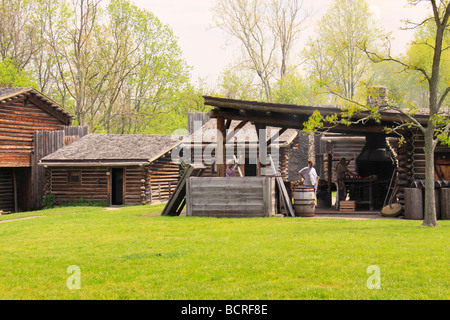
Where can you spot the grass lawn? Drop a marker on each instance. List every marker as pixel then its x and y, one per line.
pixel 124 254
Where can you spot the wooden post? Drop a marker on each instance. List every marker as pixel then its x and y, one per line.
pixel 108 183
pixel 221 140
pixel 262 136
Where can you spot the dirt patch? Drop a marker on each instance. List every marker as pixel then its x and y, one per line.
pixel 11 220
pixel 112 208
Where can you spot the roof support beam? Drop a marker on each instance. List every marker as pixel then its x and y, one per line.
pixel 221 141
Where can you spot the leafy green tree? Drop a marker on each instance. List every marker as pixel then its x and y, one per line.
pixel 427 61
pixel 266 32
pixel 334 57
pixel 12 76
pixel 295 89
pixel 240 84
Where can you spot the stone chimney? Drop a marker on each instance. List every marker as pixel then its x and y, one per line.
pixel 377 96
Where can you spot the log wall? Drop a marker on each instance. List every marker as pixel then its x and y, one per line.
pixel 141 184
pixel 231 197
pixel 162 179
pixel 343 147
pixel 18 122
pixel 94 185
pixel 134 183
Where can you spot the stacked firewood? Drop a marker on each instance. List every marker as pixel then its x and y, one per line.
pixel 296 184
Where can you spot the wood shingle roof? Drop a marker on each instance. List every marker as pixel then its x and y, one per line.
pixel 99 148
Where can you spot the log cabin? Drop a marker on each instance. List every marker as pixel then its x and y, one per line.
pixel 31 126
pixel 116 169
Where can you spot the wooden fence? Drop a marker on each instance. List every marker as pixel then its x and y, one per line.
pixel 45 143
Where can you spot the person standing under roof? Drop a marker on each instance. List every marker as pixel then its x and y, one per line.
pixel 229 170
pixel 309 176
pixel 342 172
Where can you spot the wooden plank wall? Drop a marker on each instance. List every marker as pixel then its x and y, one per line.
pixel 45 143
pixel 196 120
pixel 231 197
pixel 6 190
pixel 18 122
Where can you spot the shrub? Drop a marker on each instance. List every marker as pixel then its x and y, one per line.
pixel 49 201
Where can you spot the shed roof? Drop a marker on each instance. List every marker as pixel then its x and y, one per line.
pixel 294 116
pixel 10 94
pixel 101 148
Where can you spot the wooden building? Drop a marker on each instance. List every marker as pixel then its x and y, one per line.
pixel 409 159
pixel 243 146
pixel 29 124
pixel 114 169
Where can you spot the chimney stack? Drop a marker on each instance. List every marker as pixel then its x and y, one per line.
pixel 377 96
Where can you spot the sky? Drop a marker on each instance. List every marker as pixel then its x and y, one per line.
pixel 205 49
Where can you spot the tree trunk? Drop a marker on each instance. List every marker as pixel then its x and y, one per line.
pixel 430 207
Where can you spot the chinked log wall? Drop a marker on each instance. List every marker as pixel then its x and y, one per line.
pixel 162 179
pixel 94 185
pixel 416 155
pixel 135 180
pixel 411 161
pixel 142 184
pixel 18 122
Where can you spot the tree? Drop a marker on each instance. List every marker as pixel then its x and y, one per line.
pixel 427 71
pixel 239 84
pixel 18 41
pixel 266 30
pixel 333 54
pixel 438 126
pixel 11 76
pixel 115 67
pixel 295 89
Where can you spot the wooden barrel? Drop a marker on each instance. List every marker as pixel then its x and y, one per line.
pixel 445 203
pixel 304 202
pixel 413 204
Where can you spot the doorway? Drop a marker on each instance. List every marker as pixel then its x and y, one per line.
pixel 117 186
pixel 250 169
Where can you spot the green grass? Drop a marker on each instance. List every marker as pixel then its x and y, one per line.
pixel 124 254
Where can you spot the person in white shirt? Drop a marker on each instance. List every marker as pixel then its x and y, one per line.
pixel 309 175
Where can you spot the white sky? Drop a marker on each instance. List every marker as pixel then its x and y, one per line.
pixel 204 47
